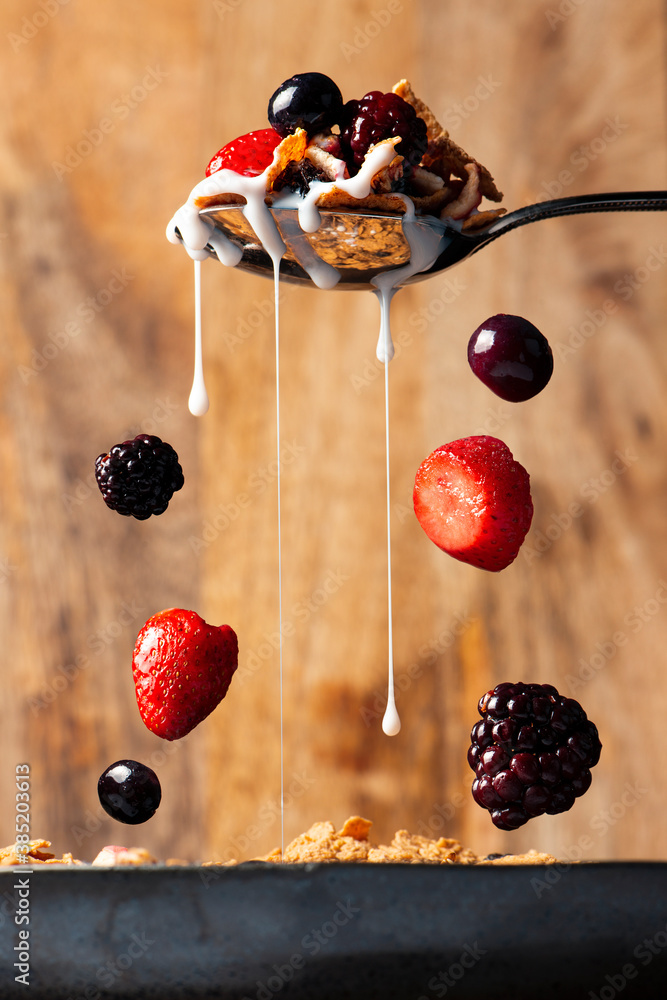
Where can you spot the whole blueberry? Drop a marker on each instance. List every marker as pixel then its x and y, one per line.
pixel 129 792
pixel 311 101
pixel 511 357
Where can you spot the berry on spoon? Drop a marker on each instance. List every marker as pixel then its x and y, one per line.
pixel 310 101
pixel 182 669
pixel 379 116
pixel 473 500
pixel 129 792
pixel 511 357
pixel 249 154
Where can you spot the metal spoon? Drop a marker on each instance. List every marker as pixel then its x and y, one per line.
pixel 361 245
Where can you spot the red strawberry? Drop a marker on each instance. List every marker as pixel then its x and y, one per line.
pixel 182 668
pixel 250 154
pixel 473 500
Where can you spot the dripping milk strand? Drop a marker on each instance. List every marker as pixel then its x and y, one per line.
pixel 391 723
pixel 426 242
pixel 198 401
pixel 425 246
pixel 276 309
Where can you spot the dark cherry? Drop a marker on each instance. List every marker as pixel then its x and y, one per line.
pixel 129 792
pixel 511 357
pixel 310 101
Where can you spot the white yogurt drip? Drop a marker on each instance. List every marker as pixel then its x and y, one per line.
pixel 198 402
pixel 275 257
pixel 358 186
pixel 425 247
pixel 195 231
pixel 426 244
pixel 391 724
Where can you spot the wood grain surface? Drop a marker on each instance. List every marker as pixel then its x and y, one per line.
pixel 110 114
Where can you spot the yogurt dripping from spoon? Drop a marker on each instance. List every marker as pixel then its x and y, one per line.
pixel 198 234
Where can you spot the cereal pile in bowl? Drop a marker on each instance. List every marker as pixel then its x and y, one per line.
pixel 321 843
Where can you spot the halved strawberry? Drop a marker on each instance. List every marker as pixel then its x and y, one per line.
pixel 182 669
pixel 250 154
pixel 473 500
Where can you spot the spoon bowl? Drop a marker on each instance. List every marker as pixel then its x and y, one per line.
pixel 361 245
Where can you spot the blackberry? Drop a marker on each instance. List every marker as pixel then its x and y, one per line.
pixel 310 101
pixel 511 357
pixel 138 478
pixel 531 753
pixel 129 792
pixel 298 177
pixel 380 116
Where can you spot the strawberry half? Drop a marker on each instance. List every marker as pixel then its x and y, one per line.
pixel 473 500
pixel 250 154
pixel 182 669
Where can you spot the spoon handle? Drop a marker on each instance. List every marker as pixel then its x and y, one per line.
pixel 626 201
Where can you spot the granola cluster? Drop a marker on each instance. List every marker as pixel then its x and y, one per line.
pixel 37 854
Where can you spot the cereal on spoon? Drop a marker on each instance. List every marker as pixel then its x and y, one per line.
pixel 424 163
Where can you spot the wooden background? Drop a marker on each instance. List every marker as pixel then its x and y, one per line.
pixel 110 114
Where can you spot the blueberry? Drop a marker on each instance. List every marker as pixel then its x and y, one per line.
pixel 310 101
pixel 129 792
pixel 511 357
